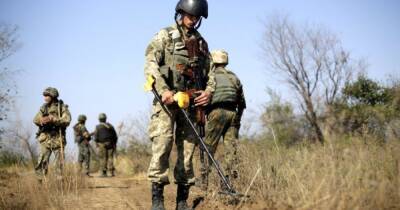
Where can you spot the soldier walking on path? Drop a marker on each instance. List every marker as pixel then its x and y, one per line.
pixel 106 139
pixel 225 113
pixel 82 138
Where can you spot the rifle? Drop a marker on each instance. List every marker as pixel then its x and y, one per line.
pixel 193 48
pixel 60 133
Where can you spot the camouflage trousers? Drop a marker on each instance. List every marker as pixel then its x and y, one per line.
pixel 84 157
pixel 220 123
pixel 106 155
pixel 163 129
pixel 44 159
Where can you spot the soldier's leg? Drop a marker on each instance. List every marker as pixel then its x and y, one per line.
pixel 216 126
pixel 43 161
pixel 81 157
pixel 103 158
pixel 185 142
pixel 161 135
pixel 86 160
pixel 110 164
pixel 184 175
pixel 231 161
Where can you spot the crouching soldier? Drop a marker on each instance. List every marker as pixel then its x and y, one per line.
pixel 106 141
pixel 82 138
pixel 225 113
pixel 52 119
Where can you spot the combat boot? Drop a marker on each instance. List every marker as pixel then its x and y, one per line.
pixel 112 173
pixel 157 192
pixel 181 197
pixel 103 174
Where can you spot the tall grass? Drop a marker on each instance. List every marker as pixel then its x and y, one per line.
pixel 21 190
pixel 348 174
pixel 344 173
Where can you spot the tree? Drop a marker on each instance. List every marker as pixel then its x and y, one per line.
pixel 8 46
pixel 369 107
pixel 311 60
pixel 280 121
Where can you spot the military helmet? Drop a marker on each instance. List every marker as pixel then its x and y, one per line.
pixel 82 118
pixel 50 91
pixel 219 57
pixel 102 116
pixel 196 8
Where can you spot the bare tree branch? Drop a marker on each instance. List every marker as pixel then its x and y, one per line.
pixel 312 61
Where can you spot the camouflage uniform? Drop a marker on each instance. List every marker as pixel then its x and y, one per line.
pixel 178 59
pixel 167 61
pixel 82 138
pixel 224 117
pixel 51 136
pixel 106 140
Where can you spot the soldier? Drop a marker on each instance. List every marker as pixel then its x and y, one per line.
pixel 106 140
pixel 52 119
pixel 174 56
pixel 82 138
pixel 225 113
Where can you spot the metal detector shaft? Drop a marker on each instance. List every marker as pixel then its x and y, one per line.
pixel 203 144
pixel 160 101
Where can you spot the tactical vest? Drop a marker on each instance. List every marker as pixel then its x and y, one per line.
pixel 53 110
pixel 178 67
pixel 226 89
pixel 105 133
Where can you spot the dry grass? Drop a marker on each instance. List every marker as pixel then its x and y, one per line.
pixel 21 190
pixel 352 173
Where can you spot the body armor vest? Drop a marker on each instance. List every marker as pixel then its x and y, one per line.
pixel 185 62
pixel 226 89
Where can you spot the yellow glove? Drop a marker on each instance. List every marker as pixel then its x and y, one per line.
pixel 182 99
pixel 149 83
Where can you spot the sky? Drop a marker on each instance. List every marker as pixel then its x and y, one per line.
pixel 93 50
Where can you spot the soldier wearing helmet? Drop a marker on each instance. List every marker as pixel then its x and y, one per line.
pixel 52 119
pixel 82 138
pixel 173 56
pixel 225 113
pixel 106 140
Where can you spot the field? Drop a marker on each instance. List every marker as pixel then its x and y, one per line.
pixel 350 173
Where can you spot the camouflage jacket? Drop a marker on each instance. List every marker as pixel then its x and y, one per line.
pixel 229 89
pixel 53 133
pixel 81 133
pixel 161 52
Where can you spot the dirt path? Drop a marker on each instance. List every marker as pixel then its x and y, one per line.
pixel 22 191
pixel 123 193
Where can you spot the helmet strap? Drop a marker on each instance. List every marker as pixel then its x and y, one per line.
pixel 198 23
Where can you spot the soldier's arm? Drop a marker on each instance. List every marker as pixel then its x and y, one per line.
pixel 211 83
pixel 65 118
pixel 114 134
pixel 241 104
pixel 154 57
pixel 241 98
pixel 77 134
pixel 96 134
pixel 37 119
